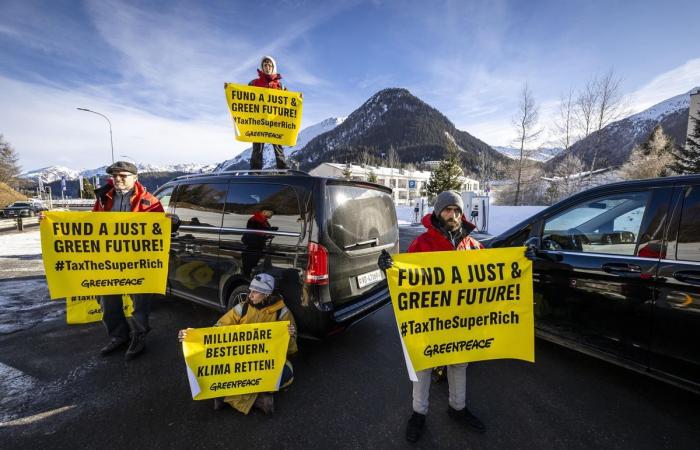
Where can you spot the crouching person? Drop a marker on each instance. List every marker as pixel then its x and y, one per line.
pixel 261 306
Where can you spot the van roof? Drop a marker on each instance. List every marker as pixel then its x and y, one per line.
pixel 254 174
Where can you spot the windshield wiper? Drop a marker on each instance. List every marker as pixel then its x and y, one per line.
pixel 374 241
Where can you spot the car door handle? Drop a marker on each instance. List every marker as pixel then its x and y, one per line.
pixel 192 248
pixel 689 276
pixel 623 269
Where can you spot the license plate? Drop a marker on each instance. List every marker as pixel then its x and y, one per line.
pixel 369 278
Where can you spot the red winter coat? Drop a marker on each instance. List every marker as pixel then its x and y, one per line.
pixel 141 200
pixel 268 81
pixel 433 240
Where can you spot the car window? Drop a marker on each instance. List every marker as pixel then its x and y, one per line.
pixel 259 205
pixel 688 247
pixel 200 204
pixel 164 196
pixel 608 224
pixel 360 217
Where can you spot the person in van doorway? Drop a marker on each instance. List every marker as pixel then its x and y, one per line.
pixel 123 193
pixel 447 229
pixel 255 242
pixel 262 305
pixel 267 78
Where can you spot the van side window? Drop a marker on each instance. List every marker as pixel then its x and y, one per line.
pixel 200 204
pixel 607 224
pixel 688 247
pixel 164 197
pixel 247 201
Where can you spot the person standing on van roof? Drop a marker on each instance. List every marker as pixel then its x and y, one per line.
pixel 447 229
pixel 261 306
pixel 267 78
pixel 123 193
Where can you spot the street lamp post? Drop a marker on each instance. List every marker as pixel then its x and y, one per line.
pixel 110 128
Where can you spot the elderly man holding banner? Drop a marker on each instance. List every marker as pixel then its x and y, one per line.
pixel 123 193
pixel 447 229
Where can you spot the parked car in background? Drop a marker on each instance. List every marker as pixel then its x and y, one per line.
pixel 319 237
pixel 23 209
pixel 618 274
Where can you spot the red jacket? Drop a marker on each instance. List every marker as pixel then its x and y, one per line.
pixel 268 81
pixel 141 200
pixel 434 240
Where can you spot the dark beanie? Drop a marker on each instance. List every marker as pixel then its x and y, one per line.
pixel 448 198
pixel 122 166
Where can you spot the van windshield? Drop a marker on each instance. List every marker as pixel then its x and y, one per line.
pixel 360 217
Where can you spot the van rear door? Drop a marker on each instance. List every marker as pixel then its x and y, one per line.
pixel 360 223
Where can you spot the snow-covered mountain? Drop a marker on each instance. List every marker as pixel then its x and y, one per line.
pixel 242 160
pixel 540 154
pixel 55 173
pixel 619 138
pixel 51 174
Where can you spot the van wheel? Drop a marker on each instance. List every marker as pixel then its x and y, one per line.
pixel 237 296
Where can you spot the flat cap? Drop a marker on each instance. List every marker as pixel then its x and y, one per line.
pixel 122 166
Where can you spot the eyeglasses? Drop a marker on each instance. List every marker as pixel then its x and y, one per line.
pixel 122 176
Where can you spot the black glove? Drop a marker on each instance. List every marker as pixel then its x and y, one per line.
pixel 385 261
pixel 531 252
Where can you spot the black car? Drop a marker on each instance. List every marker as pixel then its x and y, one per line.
pixel 319 237
pixel 23 209
pixel 618 274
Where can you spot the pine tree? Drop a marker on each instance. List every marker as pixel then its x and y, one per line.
pixel 9 168
pixel 88 189
pixel 447 175
pixel 347 172
pixel 372 176
pixel 688 156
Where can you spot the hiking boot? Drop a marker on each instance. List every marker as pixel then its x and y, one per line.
pixel 415 427
pixel 136 347
pixel 464 415
pixel 219 403
pixel 265 403
pixel 112 345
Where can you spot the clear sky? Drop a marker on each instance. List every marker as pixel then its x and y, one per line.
pixel 157 68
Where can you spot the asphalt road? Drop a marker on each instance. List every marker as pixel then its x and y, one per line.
pixel 350 391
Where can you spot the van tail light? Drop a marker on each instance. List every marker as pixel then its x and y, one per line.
pixel 317 268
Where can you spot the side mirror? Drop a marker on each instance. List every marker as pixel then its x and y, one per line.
pixel 175 222
pixel 534 241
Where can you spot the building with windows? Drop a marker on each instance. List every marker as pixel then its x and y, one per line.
pixel 406 184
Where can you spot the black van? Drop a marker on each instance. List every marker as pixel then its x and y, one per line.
pixel 319 237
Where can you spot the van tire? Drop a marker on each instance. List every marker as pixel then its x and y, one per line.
pixel 236 296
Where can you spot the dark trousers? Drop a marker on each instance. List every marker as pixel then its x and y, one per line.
pixel 256 159
pixel 118 326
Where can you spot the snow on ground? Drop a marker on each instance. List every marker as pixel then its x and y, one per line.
pixel 24 302
pixel 500 217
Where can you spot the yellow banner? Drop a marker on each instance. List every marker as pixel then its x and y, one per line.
pixel 105 253
pixel 87 309
pixel 272 116
pixel 460 306
pixel 237 359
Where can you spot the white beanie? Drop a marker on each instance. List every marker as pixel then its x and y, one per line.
pixel 274 63
pixel 263 283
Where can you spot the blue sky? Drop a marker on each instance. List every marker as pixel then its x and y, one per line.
pixel 157 68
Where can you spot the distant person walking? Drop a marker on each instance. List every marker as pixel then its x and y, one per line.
pixel 123 193
pixel 267 78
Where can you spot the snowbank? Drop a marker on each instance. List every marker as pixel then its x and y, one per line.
pixel 500 217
